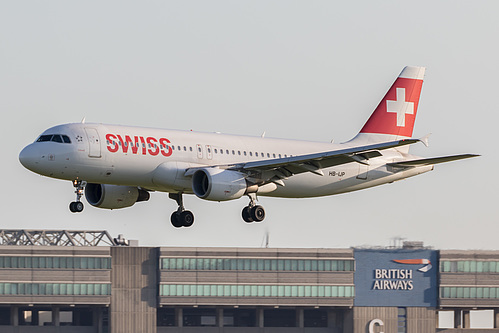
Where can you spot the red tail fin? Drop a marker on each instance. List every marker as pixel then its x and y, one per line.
pixel 396 113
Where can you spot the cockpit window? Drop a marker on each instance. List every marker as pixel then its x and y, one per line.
pixel 55 138
pixel 44 138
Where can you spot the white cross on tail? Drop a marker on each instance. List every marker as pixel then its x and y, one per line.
pixel 400 107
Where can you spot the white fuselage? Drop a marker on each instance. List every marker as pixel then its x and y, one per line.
pixel 151 158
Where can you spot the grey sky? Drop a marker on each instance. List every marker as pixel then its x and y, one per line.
pixel 311 70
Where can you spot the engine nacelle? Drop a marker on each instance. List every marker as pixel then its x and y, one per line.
pixel 218 185
pixel 114 196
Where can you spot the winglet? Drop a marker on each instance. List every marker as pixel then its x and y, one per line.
pixel 425 140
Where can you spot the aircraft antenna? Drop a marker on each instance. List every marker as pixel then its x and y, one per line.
pixel 83 120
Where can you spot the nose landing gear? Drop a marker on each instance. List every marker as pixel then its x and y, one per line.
pixel 77 206
pixel 253 212
pixel 181 217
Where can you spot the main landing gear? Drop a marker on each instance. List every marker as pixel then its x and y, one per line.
pixel 182 217
pixel 77 206
pixel 253 212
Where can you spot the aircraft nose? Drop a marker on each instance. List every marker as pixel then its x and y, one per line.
pixel 29 157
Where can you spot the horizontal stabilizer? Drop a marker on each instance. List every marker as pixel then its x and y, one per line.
pixel 431 161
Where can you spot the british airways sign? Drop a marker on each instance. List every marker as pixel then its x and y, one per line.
pixel 395 278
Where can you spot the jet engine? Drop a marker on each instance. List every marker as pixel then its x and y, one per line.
pixel 114 196
pixel 218 184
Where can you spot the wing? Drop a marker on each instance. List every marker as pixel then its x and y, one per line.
pixel 430 161
pixel 274 170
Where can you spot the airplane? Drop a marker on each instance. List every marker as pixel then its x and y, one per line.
pixel 117 166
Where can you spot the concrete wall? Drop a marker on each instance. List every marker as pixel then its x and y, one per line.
pixel 421 320
pixel 418 320
pixel 362 316
pixel 134 290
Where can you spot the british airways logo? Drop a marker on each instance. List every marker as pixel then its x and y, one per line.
pixel 138 145
pixel 399 279
pixel 423 269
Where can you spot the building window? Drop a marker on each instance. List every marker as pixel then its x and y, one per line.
pixel 56 262
pixel 257 264
pixel 469 266
pixel 27 318
pixel 220 290
pixel 166 317
pixel 199 317
pixel 469 292
pixel 239 318
pixel 45 318
pixel 402 320
pixel 315 318
pixel 93 289
pixel 279 318
pixel 4 316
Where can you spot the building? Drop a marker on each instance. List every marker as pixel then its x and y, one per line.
pixel 77 281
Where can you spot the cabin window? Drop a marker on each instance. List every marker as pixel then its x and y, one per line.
pixel 238 152
pixel 244 153
pixel 279 155
pixel 256 154
pixel 179 148
pixel 216 151
pixel 185 148
pixel 233 153
pixel 273 155
pixel 221 151
pixel 190 148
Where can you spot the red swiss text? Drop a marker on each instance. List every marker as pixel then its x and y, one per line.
pixel 138 145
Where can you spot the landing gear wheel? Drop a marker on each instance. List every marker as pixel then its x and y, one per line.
pixel 258 213
pixel 247 214
pixel 187 218
pixel 76 207
pixel 181 217
pixel 175 219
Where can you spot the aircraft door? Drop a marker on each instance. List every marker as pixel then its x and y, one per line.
pixel 94 149
pixel 209 153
